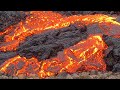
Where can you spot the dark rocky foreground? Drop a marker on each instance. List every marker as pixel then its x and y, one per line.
pixel 83 75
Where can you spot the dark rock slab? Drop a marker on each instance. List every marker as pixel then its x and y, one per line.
pixel 94 29
pixel 8 18
pixel 49 43
pixel 116 67
pixel 112 58
pixel 6 55
pixel 69 13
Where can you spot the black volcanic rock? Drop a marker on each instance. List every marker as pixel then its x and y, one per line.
pixel 116 67
pixel 69 13
pixel 8 18
pixel 94 29
pixel 6 55
pixel 112 59
pixel 49 43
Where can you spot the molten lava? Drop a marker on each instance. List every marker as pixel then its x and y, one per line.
pixel 43 20
pixel 84 56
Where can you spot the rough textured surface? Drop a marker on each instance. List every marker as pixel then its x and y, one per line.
pixel 47 44
pixel 8 18
pixel 82 75
pixel 68 13
pixel 112 59
pixel 6 55
pixel 89 75
pixel 94 29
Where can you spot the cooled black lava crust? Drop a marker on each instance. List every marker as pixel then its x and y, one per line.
pixel 112 54
pixel 48 44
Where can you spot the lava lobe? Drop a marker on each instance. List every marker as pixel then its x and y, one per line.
pixel 48 44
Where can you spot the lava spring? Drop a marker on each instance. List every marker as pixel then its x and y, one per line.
pixel 59 44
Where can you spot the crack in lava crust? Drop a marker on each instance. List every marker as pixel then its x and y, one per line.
pixel 39 21
pixel 84 56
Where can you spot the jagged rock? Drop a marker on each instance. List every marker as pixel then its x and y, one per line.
pixel 107 51
pixel 75 76
pixel 112 58
pixel 116 67
pixel 8 18
pixel 48 44
pixel 69 13
pixel 94 29
pixel 6 55
pixel 62 75
pixel 93 72
pixel 69 76
pixel 20 65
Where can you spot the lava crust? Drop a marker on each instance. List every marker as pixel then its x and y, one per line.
pixel 48 44
pixel 112 57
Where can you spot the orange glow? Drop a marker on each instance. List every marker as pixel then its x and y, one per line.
pixel 81 57
pixel 39 21
pixel 84 56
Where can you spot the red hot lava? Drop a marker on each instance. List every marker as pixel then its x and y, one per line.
pixel 85 56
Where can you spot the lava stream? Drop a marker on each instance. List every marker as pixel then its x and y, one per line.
pixel 39 21
pixel 84 56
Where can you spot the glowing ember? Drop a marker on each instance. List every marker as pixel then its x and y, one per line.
pixel 80 57
pixel 43 20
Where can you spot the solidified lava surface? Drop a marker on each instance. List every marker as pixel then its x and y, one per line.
pixel 48 44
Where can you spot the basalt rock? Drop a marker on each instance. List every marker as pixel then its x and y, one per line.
pixel 48 44
pixel 8 18
pixel 112 59
pixel 6 55
pixel 69 13
pixel 94 29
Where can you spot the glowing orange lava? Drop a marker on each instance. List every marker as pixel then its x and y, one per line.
pixel 40 21
pixel 84 56
pixel 80 57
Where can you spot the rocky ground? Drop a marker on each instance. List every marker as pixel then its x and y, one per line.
pixel 83 75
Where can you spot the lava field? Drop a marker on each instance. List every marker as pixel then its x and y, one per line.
pixel 48 43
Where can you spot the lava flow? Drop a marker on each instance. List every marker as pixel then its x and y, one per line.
pixel 84 56
pixel 80 57
pixel 40 21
